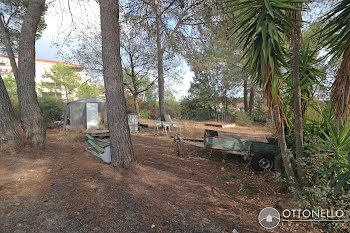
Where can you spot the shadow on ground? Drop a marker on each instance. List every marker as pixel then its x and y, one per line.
pixel 65 189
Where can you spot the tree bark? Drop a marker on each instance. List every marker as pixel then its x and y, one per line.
pixel 134 83
pixel 121 147
pixel 340 90
pixel 31 116
pixel 245 95
pixel 226 104
pixel 160 65
pixel 10 138
pixel 298 115
pixel 7 42
pixel 251 101
pixel 136 104
pixel 161 49
pixel 65 89
pixel 283 145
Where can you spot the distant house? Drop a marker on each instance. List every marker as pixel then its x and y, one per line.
pixel 239 106
pixel 41 66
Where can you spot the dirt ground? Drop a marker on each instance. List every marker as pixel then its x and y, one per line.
pixel 66 189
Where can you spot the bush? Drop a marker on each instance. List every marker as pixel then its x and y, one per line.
pixel 311 111
pixel 11 87
pixel 192 109
pixel 52 108
pixel 261 111
pixel 282 183
pixel 248 188
pixel 145 114
pixel 201 114
pixel 243 119
pixel 130 107
pixel 320 195
pixel 227 176
pixel 325 146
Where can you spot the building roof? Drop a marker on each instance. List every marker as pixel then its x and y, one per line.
pixel 239 105
pixel 43 60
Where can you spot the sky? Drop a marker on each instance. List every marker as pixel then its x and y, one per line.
pixel 61 22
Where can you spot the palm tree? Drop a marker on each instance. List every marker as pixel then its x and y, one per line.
pixel 260 26
pixel 295 35
pixel 337 38
pixel 309 73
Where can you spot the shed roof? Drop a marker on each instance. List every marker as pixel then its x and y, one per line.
pixel 90 100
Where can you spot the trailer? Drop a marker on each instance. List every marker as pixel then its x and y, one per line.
pixel 260 149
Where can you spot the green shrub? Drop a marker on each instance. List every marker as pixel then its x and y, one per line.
pixel 130 107
pixel 326 146
pixel 227 176
pixel 11 87
pixel 341 173
pixel 145 114
pixel 248 188
pixel 320 195
pixel 311 113
pixel 52 108
pixel 332 141
pixel 261 111
pixel 207 154
pixel 243 119
pixel 87 90
pixel 201 114
pixel 282 183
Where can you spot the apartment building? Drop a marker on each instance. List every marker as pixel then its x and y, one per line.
pixel 41 80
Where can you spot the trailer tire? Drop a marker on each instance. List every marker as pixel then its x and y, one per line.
pixel 260 161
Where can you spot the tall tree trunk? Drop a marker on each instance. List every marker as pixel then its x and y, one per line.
pixel 10 138
pixel 275 104
pixel 136 104
pixel 298 115
pixel 7 42
pixel 283 145
pixel 245 95
pixel 65 89
pixel 161 88
pixel 31 116
pixel 135 92
pixel 121 146
pixel 226 104
pixel 251 100
pixel 340 91
pixel 295 35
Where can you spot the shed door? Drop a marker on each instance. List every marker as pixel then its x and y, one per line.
pixel 92 120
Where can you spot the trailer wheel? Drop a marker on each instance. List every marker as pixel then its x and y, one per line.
pixel 262 162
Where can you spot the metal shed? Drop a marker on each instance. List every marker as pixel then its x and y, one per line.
pixel 91 113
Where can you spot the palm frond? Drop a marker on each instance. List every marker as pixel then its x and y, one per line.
pixel 310 75
pixel 260 25
pixel 336 33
